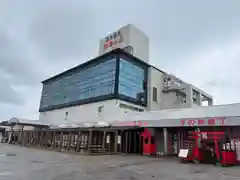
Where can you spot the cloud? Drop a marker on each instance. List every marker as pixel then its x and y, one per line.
pixel 8 95
pixel 26 110
pixel 62 33
pixel 15 70
pixel 15 63
pixel 216 70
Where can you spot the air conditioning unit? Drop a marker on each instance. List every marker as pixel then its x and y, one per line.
pixel 128 49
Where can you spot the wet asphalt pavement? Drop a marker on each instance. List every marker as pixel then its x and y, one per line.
pixel 20 163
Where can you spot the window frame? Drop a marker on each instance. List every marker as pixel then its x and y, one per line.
pixel 144 66
pixel 154 94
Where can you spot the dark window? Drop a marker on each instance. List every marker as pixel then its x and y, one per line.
pixel 131 78
pixel 155 94
pixel 152 140
pixel 132 108
pixel 88 83
pixel 100 109
pixel 146 140
pixel 66 116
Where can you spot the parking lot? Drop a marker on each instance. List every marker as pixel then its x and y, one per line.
pixel 20 163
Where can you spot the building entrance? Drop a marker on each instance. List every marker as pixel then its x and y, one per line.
pixel 131 141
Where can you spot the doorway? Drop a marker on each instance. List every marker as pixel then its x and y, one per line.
pixel 131 141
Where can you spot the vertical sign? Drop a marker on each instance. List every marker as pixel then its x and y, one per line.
pixel 119 139
pixel 108 139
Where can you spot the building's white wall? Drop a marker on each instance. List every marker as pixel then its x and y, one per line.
pixel 166 100
pixel 155 79
pixel 140 43
pixel 170 101
pixel 195 105
pixel 86 113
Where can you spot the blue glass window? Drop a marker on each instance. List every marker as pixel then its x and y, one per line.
pixel 131 79
pixel 86 83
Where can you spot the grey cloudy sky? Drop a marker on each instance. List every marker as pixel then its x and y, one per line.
pixel 199 41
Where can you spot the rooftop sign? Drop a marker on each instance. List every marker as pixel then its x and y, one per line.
pixel 113 39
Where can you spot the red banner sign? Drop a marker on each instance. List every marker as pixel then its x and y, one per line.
pixel 203 122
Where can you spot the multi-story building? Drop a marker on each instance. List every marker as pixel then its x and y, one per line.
pixel 119 80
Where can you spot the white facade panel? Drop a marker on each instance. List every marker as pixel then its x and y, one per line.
pixel 170 101
pixel 167 100
pixel 155 79
pixel 140 43
pixel 101 111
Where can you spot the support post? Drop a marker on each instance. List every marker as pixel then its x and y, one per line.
pixel 165 137
pixel 41 138
pixel 69 141
pixel 135 142
pixel 130 142
pixel 61 141
pixel 54 140
pixel 89 141
pixel 116 142
pixel 78 141
pixel 120 141
pixel 104 139
pixel 126 142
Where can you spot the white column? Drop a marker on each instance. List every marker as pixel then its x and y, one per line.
pixel 210 102
pixel 199 100
pixel 165 138
pixel 189 95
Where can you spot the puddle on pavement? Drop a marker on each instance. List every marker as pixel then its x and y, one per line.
pixel 11 154
pixel 35 161
pixel 8 154
pixel 6 174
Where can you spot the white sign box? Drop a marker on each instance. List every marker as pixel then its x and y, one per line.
pixel 183 153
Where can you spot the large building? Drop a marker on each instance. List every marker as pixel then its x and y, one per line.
pixel 119 80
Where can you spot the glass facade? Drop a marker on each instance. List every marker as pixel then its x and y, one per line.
pixel 85 84
pixel 132 78
pixel 111 78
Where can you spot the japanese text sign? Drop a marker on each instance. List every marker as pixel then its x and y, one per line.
pixel 203 122
pixel 113 39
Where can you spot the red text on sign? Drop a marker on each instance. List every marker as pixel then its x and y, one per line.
pixel 209 122
pixel 191 122
pixel 201 122
pixel 182 122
